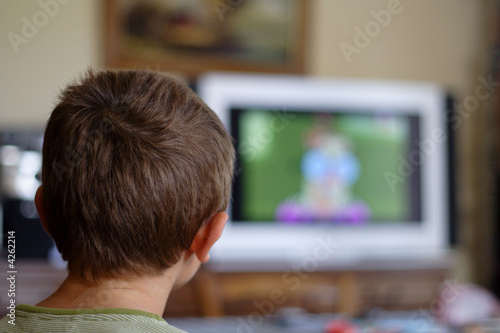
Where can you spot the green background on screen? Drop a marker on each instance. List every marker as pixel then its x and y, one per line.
pixel 273 146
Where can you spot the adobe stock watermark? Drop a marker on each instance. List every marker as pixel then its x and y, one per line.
pixel 73 158
pixel 482 92
pixel 94 297
pixel 426 147
pixel 373 28
pixel 292 279
pixel 250 147
pixel 31 26
pixel 423 319
pixel 408 165
pixel 223 7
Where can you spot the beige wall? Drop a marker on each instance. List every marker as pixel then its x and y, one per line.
pixel 424 40
pixel 431 40
pixel 31 78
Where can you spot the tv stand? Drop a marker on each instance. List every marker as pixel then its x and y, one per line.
pixel 352 289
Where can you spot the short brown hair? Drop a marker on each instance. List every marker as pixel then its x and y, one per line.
pixel 133 164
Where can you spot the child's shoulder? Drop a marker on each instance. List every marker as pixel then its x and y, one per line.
pixel 27 318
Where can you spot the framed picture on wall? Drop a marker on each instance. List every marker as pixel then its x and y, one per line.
pixel 194 36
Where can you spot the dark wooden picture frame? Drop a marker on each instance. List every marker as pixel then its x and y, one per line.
pixel 215 36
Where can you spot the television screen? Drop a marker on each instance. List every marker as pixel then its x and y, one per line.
pixel 329 167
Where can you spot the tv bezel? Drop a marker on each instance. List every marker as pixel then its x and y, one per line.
pixel 278 246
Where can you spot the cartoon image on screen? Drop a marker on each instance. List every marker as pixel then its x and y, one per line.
pixel 329 168
pixel 300 167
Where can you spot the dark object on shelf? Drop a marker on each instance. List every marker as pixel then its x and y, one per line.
pixel 20 165
pixel 31 240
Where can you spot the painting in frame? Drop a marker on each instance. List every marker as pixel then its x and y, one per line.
pixel 194 36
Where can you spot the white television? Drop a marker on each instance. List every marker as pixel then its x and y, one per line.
pixel 333 172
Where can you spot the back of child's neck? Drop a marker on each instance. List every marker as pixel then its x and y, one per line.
pixel 146 294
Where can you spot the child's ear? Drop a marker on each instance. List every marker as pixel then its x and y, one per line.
pixel 41 209
pixel 207 235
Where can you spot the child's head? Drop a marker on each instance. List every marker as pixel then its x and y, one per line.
pixel 133 164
